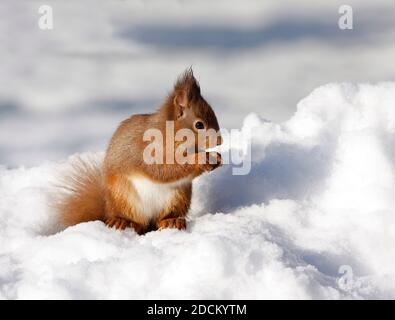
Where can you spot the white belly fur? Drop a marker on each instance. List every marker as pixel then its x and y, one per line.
pixel 153 196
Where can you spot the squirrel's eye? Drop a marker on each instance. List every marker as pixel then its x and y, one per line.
pixel 199 125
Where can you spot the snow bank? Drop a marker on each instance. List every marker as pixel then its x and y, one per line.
pixel 313 219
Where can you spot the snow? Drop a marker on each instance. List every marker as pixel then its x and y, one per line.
pixel 318 202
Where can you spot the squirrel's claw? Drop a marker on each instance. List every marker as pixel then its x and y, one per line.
pixel 213 161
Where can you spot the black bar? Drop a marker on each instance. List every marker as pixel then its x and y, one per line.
pixel 191 309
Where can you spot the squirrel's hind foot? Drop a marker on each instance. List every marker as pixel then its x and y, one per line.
pixel 177 223
pixel 117 223
pixel 122 224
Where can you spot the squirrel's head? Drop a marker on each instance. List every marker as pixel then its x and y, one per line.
pixel 191 111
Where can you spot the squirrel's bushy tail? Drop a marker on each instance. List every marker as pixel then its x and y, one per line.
pixel 81 197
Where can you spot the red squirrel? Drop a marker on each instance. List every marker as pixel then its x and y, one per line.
pixel 125 191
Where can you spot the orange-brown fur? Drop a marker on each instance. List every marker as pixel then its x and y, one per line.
pixel 106 192
pixel 83 193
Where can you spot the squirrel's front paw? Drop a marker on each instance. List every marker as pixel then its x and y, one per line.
pixel 213 161
pixel 177 223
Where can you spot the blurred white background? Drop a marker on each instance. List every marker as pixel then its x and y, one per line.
pixel 65 91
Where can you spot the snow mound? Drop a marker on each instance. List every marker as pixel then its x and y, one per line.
pixel 313 219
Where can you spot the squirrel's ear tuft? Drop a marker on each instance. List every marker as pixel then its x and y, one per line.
pixel 187 83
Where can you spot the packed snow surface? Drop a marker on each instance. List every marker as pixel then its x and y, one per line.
pixel 314 218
